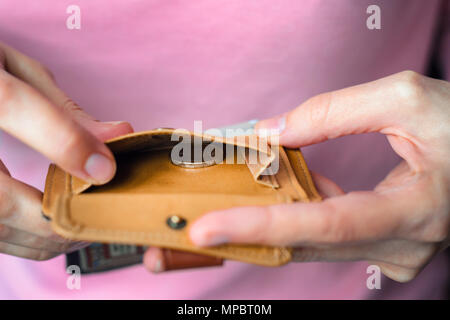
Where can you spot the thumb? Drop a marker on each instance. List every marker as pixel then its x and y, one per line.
pixel 107 130
pixel 101 130
pixel 354 110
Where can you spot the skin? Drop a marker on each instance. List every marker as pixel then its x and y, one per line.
pixel 400 225
pixel 37 112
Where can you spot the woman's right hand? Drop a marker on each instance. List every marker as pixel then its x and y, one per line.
pixel 34 110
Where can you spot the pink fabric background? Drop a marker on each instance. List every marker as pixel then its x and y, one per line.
pixel 165 63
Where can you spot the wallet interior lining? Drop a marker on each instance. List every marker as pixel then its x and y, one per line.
pixel 151 171
pixel 161 140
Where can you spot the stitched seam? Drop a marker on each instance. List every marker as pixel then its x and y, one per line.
pixel 291 175
pixel 50 186
pixel 281 254
pixel 303 170
pixel 305 175
pixel 159 236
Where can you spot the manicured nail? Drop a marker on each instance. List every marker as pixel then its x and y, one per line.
pixel 271 127
pixel 100 168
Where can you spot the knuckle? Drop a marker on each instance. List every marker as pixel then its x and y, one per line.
pixel 327 225
pixel 342 231
pixel 266 223
pixel 74 140
pixel 70 106
pixel 410 88
pixel 337 227
pixel 319 108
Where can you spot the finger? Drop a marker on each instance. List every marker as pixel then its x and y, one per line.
pixel 20 209
pixel 356 216
pixel 28 240
pixel 36 75
pixel 359 109
pixel 21 220
pixel 397 273
pixel 154 260
pixel 403 253
pixel 106 130
pixel 157 260
pixel 326 187
pixel 29 116
pixel 27 253
pixel 335 254
pixel 32 72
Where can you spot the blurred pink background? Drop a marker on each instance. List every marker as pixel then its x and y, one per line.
pixel 167 63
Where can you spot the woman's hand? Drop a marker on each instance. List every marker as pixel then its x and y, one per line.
pixel 36 111
pixel 402 223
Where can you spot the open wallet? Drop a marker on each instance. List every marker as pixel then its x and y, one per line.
pixel 162 186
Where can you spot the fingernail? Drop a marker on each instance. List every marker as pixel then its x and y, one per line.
pixel 271 127
pixel 114 123
pixel 158 266
pixel 217 240
pixel 155 262
pixel 100 168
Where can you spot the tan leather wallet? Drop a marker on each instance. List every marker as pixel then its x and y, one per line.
pixel 153 199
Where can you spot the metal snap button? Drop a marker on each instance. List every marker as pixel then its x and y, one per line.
pixel 176 222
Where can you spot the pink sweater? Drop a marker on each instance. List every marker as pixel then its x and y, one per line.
pixel 162 63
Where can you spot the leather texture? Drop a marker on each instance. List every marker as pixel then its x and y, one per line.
pixel 148 189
